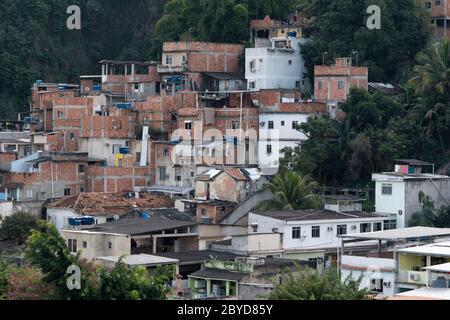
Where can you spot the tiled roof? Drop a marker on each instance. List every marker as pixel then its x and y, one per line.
pixel 98 203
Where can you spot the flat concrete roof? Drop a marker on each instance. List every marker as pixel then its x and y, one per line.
pixel 140 260
pixel 444 267
pixel 441 249
pixel 395 234
pixel 425 294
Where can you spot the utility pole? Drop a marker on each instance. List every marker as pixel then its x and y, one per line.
pixel 323 57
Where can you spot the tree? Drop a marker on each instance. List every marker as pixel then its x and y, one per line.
pixel 431 82
pixel 308 284
pixel 47 250
pixel 388 52
pixel 18 226
pixel 429 215
pixel 133 283
pixel 26 283
pixel 291 192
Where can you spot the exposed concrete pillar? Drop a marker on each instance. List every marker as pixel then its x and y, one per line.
pixel 155 240
pixel 227 288
pixel 208 288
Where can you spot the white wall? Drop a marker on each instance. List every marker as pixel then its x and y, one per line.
pixel 274 71
pixel 327 239
pixel 101 148
pixel 6 209
pixel 373 268
pixel 405 193
pixel 60 217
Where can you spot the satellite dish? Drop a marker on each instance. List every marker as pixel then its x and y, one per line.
pixel 116 217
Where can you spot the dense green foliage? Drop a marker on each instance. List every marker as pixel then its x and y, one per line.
pixel 308 284
pixel 47 251
pixel 430 215
pixel 36 44
pixel 18 226
pixel 291 191
pixel 388 52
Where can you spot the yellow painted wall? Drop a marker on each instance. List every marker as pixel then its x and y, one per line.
pixel 407 262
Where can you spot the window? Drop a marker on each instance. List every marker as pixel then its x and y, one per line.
pixel 29 194
pixel 252 65
pixel 72 136
pixel 428 5
pixel 67 191
pixel 377 226
pixel 72 244
pixel 81 189
pixel 315 231
pixel 234 125
pixel 169 59
pixel 213 152
pixel 365 227
pixel 192 174
pixel 341 229
pixel 270 124
pixel 312 263
pixel 296 233
pixel 320 84
pixel 290 61
pixel 60 114
pixel 162 174
pixel 252 85
pixel 203 212
pixel 84 244
pixel 1 179
pixel 294 124
pixel 178 174
pixel 81 168
pixel 437 3
pixel 109 245
pixel 269 149
pixel 386 189
pixel 188 125
pixel 282 123
pixel 340 84
pixel 165 152
pixel 390 224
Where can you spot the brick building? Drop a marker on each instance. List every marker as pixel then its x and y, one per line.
pixel 332 83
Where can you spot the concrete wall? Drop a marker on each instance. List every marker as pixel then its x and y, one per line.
pixel 274 68
pixel 6 209
pixel 97 243
pixel 370 268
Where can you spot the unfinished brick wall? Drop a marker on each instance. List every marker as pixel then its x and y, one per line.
pixel 117 179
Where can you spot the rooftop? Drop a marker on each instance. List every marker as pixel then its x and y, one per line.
pixel 98 203
pixel 314 214
pixel 444 267
pixel 404 233
pixel 441 249
pixel 413 162
pixel 139 226
pixel 140 260
pixel 407 176
pixel 344 197
pixel 195 257
pixel 219 274
pixel 424 294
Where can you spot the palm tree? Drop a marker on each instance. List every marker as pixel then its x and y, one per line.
pixel 291 192
pixel 432 87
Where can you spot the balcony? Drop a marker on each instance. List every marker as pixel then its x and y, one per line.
pixel 162 68
pixel 412 277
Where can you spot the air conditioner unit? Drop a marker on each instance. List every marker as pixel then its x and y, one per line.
pixel 354 227
pixel 414 276
pixel 330 229
pixel 262 123
pixel 387 284
pixel 275 230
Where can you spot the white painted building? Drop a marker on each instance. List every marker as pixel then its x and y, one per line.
pixel 279 66
pixel 398 192
pixel 313 234
pixel 401 261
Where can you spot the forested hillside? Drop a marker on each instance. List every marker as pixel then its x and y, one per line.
pixel 36 44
